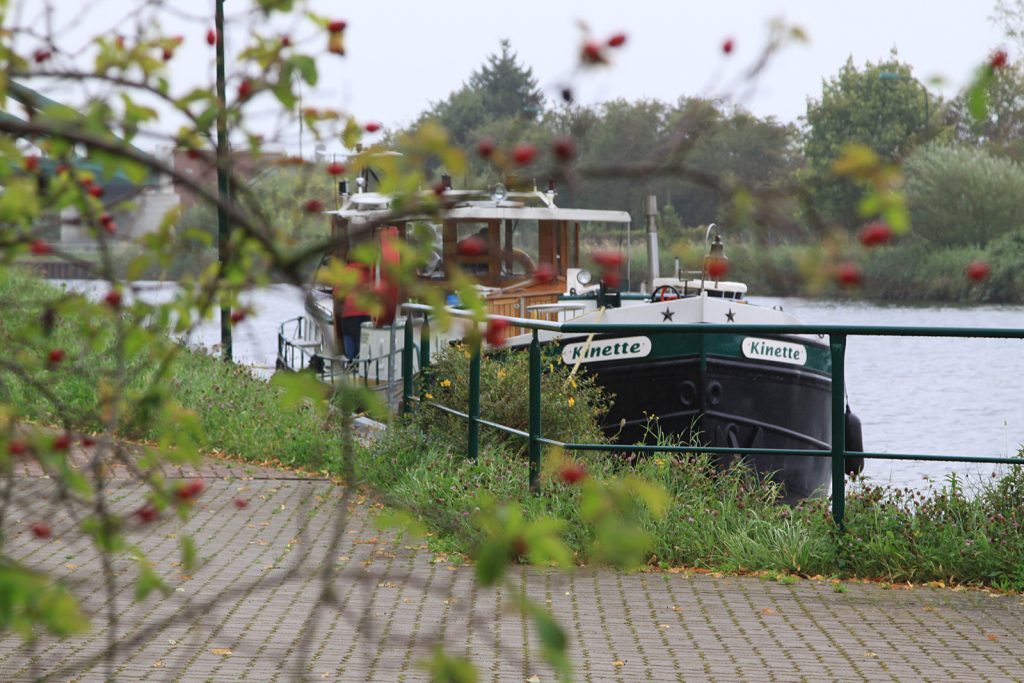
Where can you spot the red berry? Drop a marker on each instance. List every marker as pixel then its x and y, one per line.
pixel 113 298
pixel 56 356
pixel 88 441
pixel 245 89
pixel 998 59
pixel 519 547
pixel 286 41
pixel 62 442
pixel 96 191
pixel 147 513
pixel 190 489
pixel 241 503
pixel 495 332
pixel 211 37
pixel 572 473
pixel 564 148
pixel 524 154
pixel 472 246
pixel 119 41
pixel 717 267
pixel 193 153
pixel 848 274
pixel 873 234
pixel 31 163
pixel 41 530
pixel 372 127
pixel 617 40
pixel 41 56
pixel 238 315
pixel 728 45
pixel 314 206
pixel 108 223
pixel 977 271
pixel 337 26
pixel 544 273
pixel 591 53
pixel 16 447
pixel 336 169
pixel 168 53
pixel 485 147
pixel 607 259
pixel 40 247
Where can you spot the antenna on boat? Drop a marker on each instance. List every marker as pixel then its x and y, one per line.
pixel 652 239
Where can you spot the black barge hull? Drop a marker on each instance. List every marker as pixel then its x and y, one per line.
pixel 713 390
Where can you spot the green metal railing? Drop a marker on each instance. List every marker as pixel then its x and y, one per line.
pixel 836 334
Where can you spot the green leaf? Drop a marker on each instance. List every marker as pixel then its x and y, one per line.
pixel 148 581
pixel 188 553
pixel 447 669
pixel 298 388
pixel 306 67
pixel 104 532
pixel 553 641
pixel 491 560
pixel 401 521
pixel 29 599
pixel 977 94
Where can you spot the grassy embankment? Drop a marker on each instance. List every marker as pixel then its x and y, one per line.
pixel 716 520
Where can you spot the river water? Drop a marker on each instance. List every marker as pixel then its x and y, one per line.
pixel 913 395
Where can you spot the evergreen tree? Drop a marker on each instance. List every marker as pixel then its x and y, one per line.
pixel 501 88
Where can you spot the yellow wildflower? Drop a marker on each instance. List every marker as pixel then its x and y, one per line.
pixel 501 373
pixel 446 383
pixel 429 396
pixel 571 401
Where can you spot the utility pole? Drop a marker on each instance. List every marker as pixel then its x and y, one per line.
pixel 223 161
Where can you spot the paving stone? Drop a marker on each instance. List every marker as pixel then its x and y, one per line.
pixel 243 613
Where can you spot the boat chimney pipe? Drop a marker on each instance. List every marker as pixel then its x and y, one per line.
pixel 652 240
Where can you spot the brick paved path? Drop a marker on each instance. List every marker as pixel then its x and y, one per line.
pixel 240 615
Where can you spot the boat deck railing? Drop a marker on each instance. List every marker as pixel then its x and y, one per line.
pixel 837 336
pixel 300 346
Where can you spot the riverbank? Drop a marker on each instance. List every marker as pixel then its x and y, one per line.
pixel 715 521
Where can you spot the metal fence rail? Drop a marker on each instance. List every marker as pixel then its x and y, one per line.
pixel 837 336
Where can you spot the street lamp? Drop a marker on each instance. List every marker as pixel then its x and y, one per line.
pixel 222 176
pixel 894 76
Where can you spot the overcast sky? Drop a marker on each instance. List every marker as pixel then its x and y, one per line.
pixel 404 54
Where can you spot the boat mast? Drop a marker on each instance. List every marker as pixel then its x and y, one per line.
pixel 652 240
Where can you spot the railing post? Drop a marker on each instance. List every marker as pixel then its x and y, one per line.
pixel 474 402
pixel 837 344
pixel 535 414
pixel 407 365
pixel 425 343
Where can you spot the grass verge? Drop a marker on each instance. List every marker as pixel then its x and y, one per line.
pixel 716 520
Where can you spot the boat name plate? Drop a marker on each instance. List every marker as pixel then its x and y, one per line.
pixel 772 349
pixel 606 349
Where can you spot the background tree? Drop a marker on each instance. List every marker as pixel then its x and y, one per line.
pixel 1001 129
pixel 501 88
pixel 860 106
